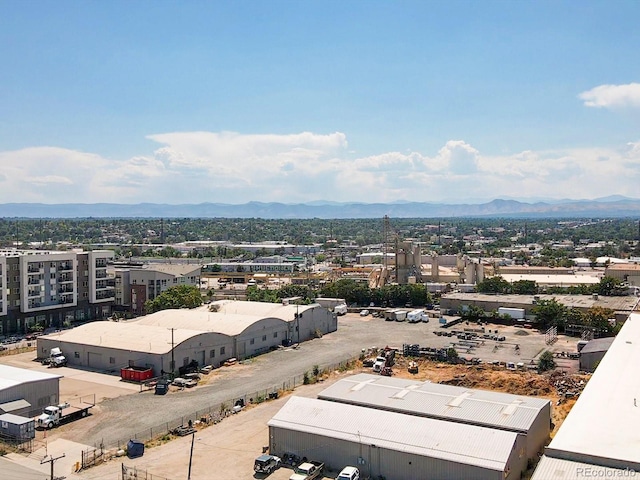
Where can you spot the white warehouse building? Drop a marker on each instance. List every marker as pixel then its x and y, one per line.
pixel 169 339
pixel 393 445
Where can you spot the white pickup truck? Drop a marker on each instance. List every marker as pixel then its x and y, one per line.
pixel 307 471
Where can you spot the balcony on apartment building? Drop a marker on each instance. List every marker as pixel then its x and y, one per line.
pixel 34 293
pixel 101 273
pixel 101 262
pixel 105 295
pixel 65 289
pixel 35 281
pixel 65 266
pixel 65 278
pixel 35 268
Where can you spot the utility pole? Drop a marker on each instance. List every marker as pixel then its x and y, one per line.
pixel 193 436
pixel 173 362
pixel 52 460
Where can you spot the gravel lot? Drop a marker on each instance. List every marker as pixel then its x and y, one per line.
pixel 124 411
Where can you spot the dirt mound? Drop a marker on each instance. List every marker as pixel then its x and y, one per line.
pixel 522 333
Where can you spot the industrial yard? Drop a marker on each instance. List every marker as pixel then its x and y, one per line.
pixel 124 411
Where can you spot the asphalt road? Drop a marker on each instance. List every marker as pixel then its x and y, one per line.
pixel 117 419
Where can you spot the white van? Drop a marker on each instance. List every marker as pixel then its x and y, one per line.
pixel 349 473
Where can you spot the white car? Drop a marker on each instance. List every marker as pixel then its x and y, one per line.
pixel 349 473
pixel 364 313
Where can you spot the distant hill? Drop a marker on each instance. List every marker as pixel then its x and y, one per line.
pixel 605 207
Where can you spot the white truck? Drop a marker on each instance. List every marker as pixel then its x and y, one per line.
pixel 54 415
pixel 56 358
pixel 415 316
pixel 307 471
pixel 340 309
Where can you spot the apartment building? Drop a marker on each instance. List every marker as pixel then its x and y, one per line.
pixel 49 288
pixel 137 283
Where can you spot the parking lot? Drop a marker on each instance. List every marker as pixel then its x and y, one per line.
pixel 123 410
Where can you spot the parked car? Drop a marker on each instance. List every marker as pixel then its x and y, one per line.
pixel 364 313
pixel 349 473
pixel 266 464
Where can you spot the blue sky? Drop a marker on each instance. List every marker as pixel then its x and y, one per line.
pixel 300 101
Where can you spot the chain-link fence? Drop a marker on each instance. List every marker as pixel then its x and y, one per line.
pixel 134 473
pixel 214 414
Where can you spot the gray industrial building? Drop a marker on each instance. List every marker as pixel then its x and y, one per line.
pixel 528 416
pixel 394 445
pixel 169 339
pixel 599 437
pixel 593 352
pixel 26 392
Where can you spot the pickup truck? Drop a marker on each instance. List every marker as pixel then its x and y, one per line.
pixel 308 471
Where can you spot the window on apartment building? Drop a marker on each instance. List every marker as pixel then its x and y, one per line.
pixel 85 284
pixel 52 276
pixel 264 338
pixel 85 294
pixel 275 334
pixel 16 278
pixel 15 266
pixel 252 341
pixel 16 303
pixel 212 353
pixel 76 354
pixel 221 350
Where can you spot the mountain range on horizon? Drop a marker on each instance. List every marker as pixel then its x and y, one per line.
pixel 614 206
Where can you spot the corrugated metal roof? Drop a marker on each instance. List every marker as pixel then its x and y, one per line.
pixel 624 303
pixel 426 399
pixel 598 345
pixel 12 376
pixel 605 421
pixel 125 336
pixel 466 444
pixel 15 419
pixel 13 406
pixel 558 469
pixel 203 320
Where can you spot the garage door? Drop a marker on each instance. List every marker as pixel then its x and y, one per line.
pixel 94 360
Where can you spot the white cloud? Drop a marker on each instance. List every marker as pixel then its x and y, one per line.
pixel 227 167
pixel 611 96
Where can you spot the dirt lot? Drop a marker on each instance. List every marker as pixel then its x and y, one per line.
pixel 227 450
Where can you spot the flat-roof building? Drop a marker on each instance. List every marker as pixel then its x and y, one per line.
pixel 529 416
pixel 394 445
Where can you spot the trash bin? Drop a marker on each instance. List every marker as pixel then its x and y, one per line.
pixel 135 449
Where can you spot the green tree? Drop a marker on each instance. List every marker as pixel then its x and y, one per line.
pixel 495 284
pixel 546 362
pixel 182 296
pixel 609 286
pixel 524 287
pixel 550 313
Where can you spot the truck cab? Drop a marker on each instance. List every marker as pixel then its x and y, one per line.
pixel 56 358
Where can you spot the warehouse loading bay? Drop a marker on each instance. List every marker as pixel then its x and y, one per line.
pixel 231 446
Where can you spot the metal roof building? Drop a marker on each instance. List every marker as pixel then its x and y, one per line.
pixel 394 445
pixel 235 329
pixel 593 352
pixel 529 416
pixel 26 392
pixel 602 428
